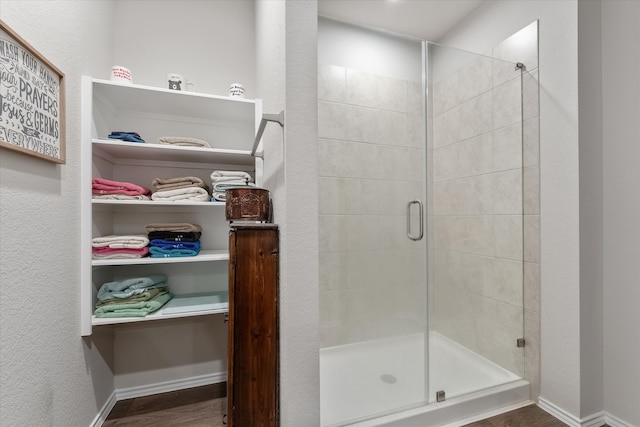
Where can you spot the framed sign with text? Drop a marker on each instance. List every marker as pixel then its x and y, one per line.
pixel 32 108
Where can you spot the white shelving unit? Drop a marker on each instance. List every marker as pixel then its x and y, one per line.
pixel 227 124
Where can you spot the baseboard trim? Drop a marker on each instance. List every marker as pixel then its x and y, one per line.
pixel 104 412
pixel 166 386
pixel 615 421
pixel 558 412
pixel 596 420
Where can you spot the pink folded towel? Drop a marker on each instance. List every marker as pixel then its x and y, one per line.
pixel 107 252
pixel 106 186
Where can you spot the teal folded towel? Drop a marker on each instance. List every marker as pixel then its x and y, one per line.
pixel 157 252
pixel 128 287
pixel 137 309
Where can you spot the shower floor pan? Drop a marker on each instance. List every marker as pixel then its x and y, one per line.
pixel 382 382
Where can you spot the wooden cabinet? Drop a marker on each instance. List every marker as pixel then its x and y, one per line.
pixel 252 383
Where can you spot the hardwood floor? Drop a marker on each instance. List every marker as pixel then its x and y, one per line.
pixel 205 406
pixel 195 407
pixel 527 416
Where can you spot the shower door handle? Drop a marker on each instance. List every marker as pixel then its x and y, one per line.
pixel 421 217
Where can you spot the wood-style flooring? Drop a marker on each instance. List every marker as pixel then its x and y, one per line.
pixel 205 406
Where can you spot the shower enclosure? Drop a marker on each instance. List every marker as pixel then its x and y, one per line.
pixel 420 221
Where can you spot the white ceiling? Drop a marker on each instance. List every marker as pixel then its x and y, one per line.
pixel 423 19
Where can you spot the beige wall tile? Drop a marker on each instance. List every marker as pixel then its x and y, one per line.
pixel 532 286
pixel 532 238
pixel 476 116
pixel 464 159
pixel 446 94
pixel 475 78
pixel 331 83
pixel 370 90
pixel 531 190
pixel 507 192
pixel 508 281
pixel 469 234
pixel 507 104
pixel 507 148
pixel 333 269
pixel 446 127
pixel 465 196
pixel 507 236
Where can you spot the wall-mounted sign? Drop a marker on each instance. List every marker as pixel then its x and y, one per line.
pixel 32 110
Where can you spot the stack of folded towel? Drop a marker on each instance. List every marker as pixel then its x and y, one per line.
pixel 184 141
pixel 133 297
pixel 119 246
pixel 168 240
pixel 118 190
pixel 183 188
pixel 222 180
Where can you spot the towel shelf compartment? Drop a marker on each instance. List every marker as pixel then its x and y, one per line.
pixel 228 125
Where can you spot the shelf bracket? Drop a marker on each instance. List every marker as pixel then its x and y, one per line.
pixel 278 118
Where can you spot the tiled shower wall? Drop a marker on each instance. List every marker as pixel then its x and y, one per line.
pixel 484 206
pixel 370 164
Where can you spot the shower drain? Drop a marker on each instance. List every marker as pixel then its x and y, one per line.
pixel 388 378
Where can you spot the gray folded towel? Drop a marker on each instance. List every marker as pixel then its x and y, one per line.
pixel 183 140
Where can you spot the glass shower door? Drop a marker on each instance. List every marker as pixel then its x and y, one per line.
pixel 371 161
pixel 475 217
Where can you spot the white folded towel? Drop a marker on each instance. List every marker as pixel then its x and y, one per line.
pixel 225 185
pixel 221 175
pixel 193 194
pixel 120 241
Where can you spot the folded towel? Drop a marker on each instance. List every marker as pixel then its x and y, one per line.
pixel 177 227
pixel 162 184
pixel 175 236
pixel 106 186
pixel 137 309
pixel 219 196
pixel 191 194
pixel 236 175
pixel 183 140
pixel 225 185
pixel 120 241
pixel 132 286
pixel 170 244
pixel 120 197
pixel 144 296
pixel 126 136
pixel 118 253
pixel 171 253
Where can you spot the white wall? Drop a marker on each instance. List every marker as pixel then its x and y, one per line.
pixel 209 42
pixel 559 209
pixel 49 375
pixel 621 173
pixel 287 60
pixel 591 251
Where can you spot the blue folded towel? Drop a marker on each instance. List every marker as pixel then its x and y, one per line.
pixel 126 136
pixel 128 287
pixel 170 244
